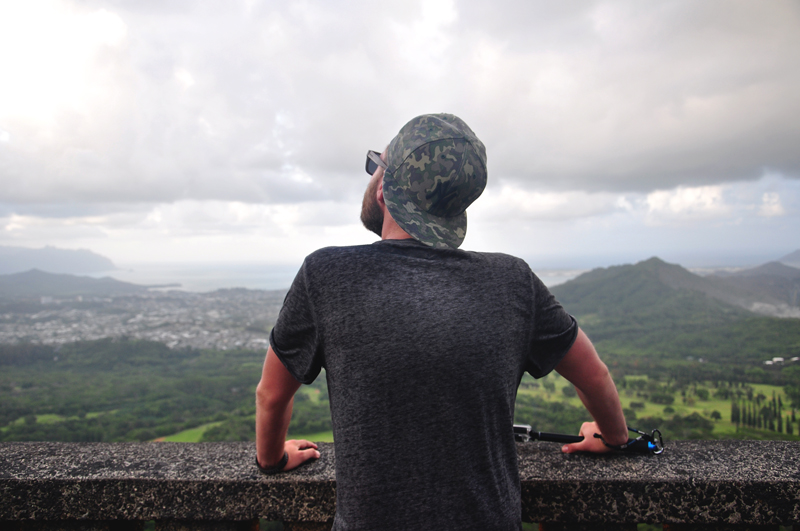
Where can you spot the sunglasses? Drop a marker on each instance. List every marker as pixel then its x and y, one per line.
pixel 373 161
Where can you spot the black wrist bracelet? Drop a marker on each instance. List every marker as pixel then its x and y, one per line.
pixel 614 446
pixel 269 470
pixel 618 446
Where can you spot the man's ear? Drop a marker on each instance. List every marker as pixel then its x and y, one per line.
pixel 379 193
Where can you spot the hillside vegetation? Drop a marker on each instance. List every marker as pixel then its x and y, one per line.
pixel 654 314
pixel 685 359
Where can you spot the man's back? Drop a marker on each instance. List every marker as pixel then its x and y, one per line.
pixel 423 350
pixel 424 347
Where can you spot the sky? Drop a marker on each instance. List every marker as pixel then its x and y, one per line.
pixel 235 131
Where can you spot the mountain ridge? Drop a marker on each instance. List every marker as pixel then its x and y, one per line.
pixel 792 259
pixel 36 283
pixel 653 285
pixel 52 260
pixel 655 314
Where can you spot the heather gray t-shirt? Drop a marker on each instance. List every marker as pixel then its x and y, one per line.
pixel 423 350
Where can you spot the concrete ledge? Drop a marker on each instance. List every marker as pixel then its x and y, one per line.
pixel 693 482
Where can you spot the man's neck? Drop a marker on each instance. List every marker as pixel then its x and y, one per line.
pixel 392 231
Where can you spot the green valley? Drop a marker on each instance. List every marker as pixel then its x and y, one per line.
pixel 686 354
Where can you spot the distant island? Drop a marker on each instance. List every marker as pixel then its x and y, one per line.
pixel 34 284
pixel 52 260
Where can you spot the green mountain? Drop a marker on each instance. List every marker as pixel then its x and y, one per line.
pixel 770 269
pixel 772 288
pixel 656 311
pixel 53 260
pixel 652 290
pixel 34 284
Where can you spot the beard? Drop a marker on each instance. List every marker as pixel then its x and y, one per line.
pixel 371 213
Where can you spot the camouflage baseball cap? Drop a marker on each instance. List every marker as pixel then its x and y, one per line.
pixel 436 168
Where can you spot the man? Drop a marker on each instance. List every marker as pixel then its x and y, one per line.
pixel 424 347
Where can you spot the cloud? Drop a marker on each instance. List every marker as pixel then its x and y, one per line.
pixel 50 51
pixel 511 203
pixel 771 205
pixel 190 120
pixel 265 102
pixel 732 204
pixel 686 205
pixel 579 228
pixel 716 225
pixel 191 230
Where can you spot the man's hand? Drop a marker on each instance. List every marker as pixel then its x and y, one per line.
pixel 589 442
pixel 299 452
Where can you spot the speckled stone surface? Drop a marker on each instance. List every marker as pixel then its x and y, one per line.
pixel 734 482
pixel 154 481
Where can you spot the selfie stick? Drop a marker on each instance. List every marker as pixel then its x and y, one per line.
pixel 644 443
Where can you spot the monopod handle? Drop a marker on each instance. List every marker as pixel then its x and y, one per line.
pixel 557 437
pixel 524 433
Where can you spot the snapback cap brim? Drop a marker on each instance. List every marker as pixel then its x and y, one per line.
pixel 437 231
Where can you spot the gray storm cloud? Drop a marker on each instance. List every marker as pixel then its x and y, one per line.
pixel 271 102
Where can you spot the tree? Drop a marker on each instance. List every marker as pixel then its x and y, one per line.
pixel 569 391
pixel 792 387
pixel 735 413
pixel 662 398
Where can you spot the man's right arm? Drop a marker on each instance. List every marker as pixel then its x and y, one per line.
pixel 591 378
pixel 274 400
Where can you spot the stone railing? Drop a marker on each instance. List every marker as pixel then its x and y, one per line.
pixel 215 486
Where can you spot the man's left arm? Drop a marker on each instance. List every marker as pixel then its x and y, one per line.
pixel 274 400
pixel 592 380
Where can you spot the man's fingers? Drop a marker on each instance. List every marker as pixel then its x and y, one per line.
pixel 298 457
pixel 302 444
pixel 589 443
pixel 311 453
pixel 300 451
pixel 575 447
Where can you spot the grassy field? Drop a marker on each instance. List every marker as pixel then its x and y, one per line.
pixel 551 388
pixel 324 436
pixel 634 393
pixel 194 435
pixel 191 435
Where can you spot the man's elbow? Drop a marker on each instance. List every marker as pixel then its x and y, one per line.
pixel 268 399
pixel 264 396
pixel 597 378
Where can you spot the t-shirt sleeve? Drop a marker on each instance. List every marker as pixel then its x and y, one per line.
pixel 295 336
pixel 554 331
